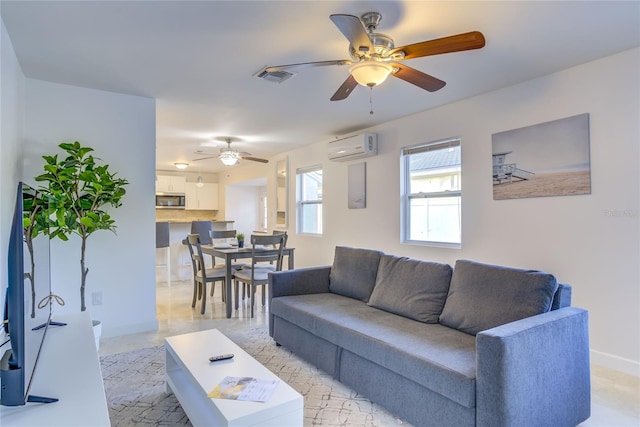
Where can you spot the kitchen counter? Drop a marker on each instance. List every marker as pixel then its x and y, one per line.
pixel 186 215
pixel 180 258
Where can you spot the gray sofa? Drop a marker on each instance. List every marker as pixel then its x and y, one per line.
pixel 477 345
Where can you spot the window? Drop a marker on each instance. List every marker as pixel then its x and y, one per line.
pixel 309 200
pixel 431 193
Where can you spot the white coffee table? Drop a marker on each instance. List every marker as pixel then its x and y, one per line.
pixel 191 376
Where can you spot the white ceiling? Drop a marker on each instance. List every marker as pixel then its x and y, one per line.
pixel 197 59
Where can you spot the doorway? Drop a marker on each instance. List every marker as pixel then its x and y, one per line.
pixel 246 204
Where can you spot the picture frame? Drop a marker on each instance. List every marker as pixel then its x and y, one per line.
pixel 546 159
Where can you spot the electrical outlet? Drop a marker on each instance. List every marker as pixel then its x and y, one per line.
pixel 96 298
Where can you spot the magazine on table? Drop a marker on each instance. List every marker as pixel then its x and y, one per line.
pixel 244 388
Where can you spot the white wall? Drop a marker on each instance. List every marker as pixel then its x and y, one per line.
pixel 242 205
pixel 11 128
pixel 589 241
pixel 239 192
pixel 121 129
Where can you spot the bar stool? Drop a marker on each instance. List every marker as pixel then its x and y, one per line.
pixel 202 229
pixel 162 241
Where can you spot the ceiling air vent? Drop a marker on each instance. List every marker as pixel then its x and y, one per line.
pixel 274 76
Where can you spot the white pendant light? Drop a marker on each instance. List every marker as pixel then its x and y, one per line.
pixel 370 73
pixel 199 181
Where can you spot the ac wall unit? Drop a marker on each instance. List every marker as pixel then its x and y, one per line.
pixel 353 147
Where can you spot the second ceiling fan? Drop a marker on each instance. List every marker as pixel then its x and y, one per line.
pixel 374 56
pixel 230 156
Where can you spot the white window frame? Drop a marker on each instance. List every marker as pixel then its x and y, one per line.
pixel 301 202
pixel 407 197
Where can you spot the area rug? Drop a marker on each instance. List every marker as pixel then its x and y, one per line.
pixel 135 388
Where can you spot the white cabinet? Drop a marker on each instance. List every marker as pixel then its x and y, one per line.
pixel 170 184
pixel 201 198
pixel 191 196
pixel 68 370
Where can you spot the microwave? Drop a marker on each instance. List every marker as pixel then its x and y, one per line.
pixel 170 201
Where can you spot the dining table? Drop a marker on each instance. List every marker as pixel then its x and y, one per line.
pixel 232 253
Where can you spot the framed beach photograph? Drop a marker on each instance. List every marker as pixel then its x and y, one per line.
pixel 547 159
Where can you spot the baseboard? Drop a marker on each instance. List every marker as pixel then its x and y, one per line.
pixel 616 363
pixel 130 329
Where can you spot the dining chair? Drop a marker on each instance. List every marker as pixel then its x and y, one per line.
pixel 225 234
pixel 203 275
pixel 264 248
pixel 284 233
pixel 269 266
pixel 228 234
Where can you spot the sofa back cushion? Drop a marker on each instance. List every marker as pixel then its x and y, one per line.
pixel 482 296
pixel 411 288
pixel 353 273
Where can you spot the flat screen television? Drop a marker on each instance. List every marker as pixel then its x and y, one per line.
pixel 13 369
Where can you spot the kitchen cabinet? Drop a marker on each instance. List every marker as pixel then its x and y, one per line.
pixel 201 198
pixel 170 184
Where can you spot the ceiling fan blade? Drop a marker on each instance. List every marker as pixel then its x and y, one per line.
pixel 353 30
pixel 205 158
pixel 254 159
pixel 275 68
pixel 418 78
pixel 345 89
pixel 457 43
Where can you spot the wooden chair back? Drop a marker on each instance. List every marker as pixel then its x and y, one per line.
pixel 222 234
pixel 265 241
pixel 197 260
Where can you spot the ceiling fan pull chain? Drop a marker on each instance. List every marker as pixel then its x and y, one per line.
pixel 371 99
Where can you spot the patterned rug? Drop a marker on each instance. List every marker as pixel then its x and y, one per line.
pixel 135 389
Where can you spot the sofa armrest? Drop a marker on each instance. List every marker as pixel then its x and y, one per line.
pixel 535 371
pixel 300 281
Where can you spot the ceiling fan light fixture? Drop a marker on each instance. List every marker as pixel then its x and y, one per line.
pixel 229 158
pixel 181 165
pixel 370 73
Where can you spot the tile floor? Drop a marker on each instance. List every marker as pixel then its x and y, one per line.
pixel 615 396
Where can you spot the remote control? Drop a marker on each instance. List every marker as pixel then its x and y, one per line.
pixel 221 357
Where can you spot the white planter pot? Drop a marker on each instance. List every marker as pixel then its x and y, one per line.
pixel 97 331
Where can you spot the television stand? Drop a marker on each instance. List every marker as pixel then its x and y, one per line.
pixel 51 323
pixel 69 369
pixel 40 399
pixel 12 378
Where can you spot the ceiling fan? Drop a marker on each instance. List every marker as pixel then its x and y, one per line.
pixel 230 156
pixel 374 56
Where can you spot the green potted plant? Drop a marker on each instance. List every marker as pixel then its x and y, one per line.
pixel 240 239
pixel 35 223
pixel 78 190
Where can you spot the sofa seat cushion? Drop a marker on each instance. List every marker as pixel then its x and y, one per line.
pixel 411 288
pixel 353 273
pixel 483 296
pixel 439 358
